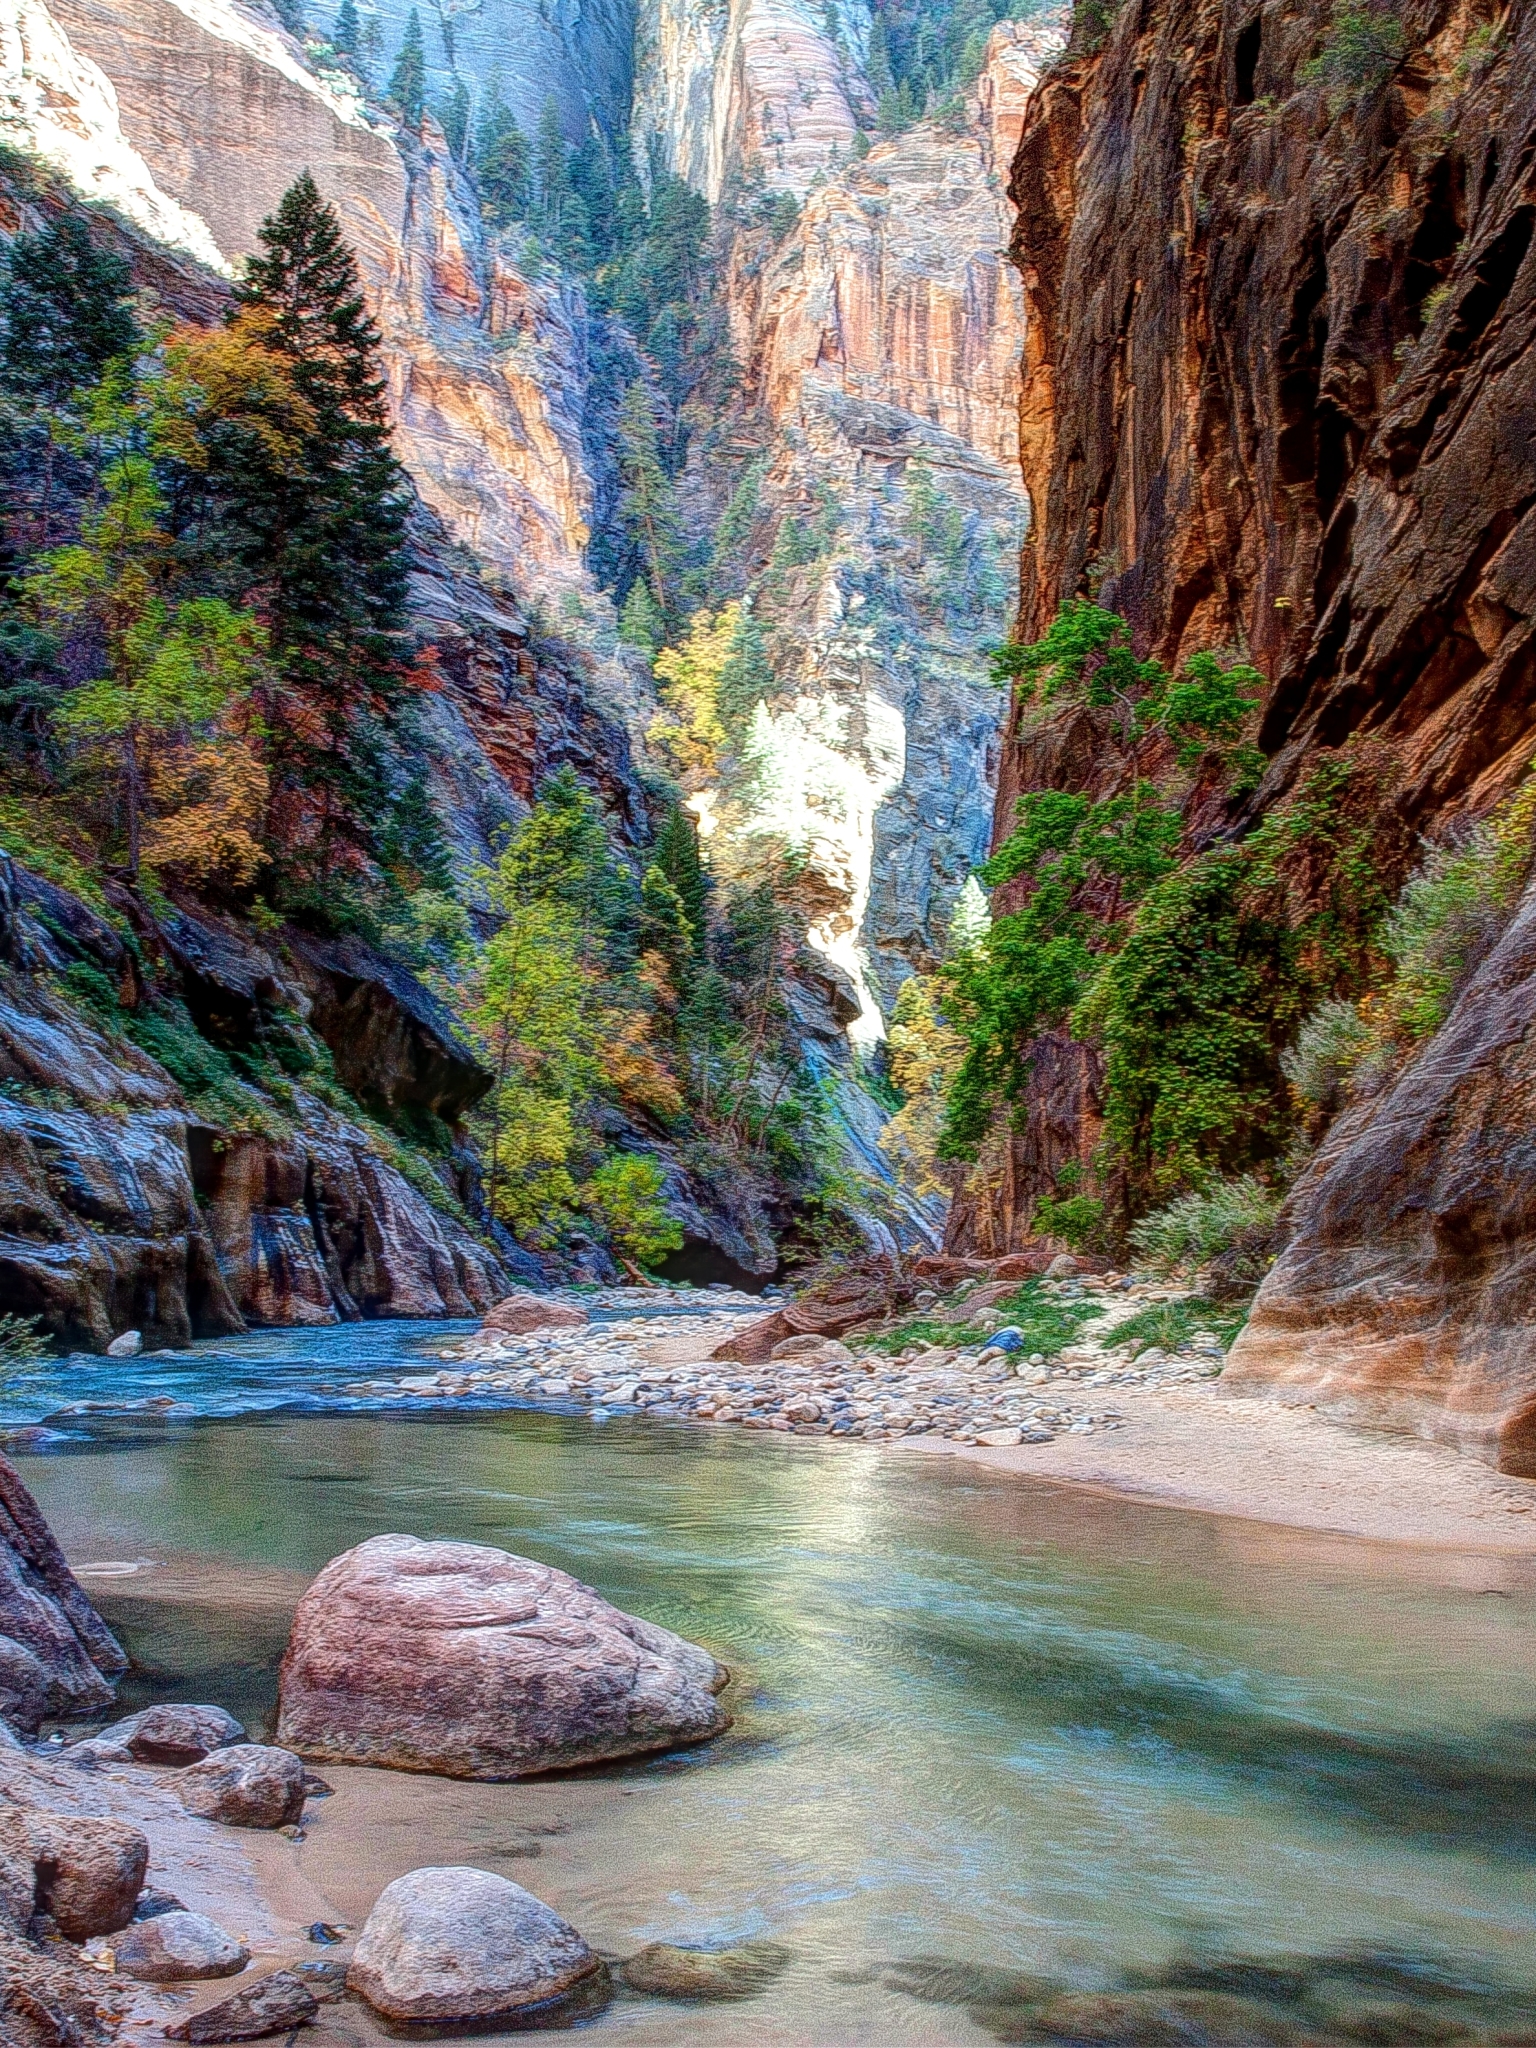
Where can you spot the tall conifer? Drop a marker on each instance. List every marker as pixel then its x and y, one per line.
pixel 408 81
pixel 323 533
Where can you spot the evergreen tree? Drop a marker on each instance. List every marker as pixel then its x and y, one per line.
pixel 64 315
pixel 649 502
pixel 408 81
pixel 346 36
pixel 291 15
pixel 676 855
pixel 640 622
pixel 453 118
pixel 323 530
pixel 562 212
pixel 65 312
pixel 746 679
pixel 501 159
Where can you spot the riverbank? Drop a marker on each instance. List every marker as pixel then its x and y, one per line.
pixel 1148 1423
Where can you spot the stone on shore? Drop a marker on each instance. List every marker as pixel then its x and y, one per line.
pixel 177 1947
pixel 523 1310
pixel 87 1871
pixel 247 1785
pixel 457 1945
pixel 128 1345
pixel 466 1661
pixel 668 1972
pixel 172 1734
pixel 274 2006
pixel 813 1351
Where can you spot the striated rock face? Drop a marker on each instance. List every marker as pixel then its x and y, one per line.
pixel 1406 1293
pixel 1279 396
pixel 1279 376
pixel 882 338
pixel 764 88
pixel 57 1655
pixel 462 1660
pixel 132 1208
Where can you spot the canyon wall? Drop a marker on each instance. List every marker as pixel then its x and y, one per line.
pixel 1279 400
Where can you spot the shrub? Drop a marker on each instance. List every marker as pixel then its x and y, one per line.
pixel 22 1343
pixel 1168 1324
pixel 626 1194
pixel 1328 1048
pixel 1076 1219
pixel 1197 1227
pixel 1364 47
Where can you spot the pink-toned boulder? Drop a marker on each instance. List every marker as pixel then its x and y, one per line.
pixel 467 1661
pixel 248 1785
pixel 522 1310
pixel 87 1871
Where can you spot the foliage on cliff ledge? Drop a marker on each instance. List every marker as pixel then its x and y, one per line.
pixel 1189 968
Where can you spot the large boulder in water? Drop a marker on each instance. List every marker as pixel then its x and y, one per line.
pixel 470 1662
pixel 457 1945
pixel 57 1655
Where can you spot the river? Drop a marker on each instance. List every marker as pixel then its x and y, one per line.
pixel 979 1719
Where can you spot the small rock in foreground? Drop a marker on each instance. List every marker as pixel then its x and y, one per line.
pixel 128 1345
pixel 457 1945
pixel 87 1870
pixel 176 1947
pixel 169 1735
pixel 668 1972
pixel 245 1786
pixel 273 2006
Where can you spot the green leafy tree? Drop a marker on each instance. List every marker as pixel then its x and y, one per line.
pixel 169 665
pixel 561 854
pixel 627 1195
pixel 649 502
pixel 407 92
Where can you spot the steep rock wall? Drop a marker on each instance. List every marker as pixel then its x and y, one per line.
pixel 881 338
pixel 1280 397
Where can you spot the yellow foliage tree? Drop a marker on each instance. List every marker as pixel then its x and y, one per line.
pixel 688 729
pixel 925 1056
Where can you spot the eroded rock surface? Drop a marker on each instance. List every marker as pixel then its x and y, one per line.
pixel 470 1662
pixel 87 1869
pixel 175 1948
pixel 57 1655
pixel 457 1944
pixel 1407 1291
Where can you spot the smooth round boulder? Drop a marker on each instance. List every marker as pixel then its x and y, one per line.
pixel 522 1311
pixel 469 1662
pixel 128 1345
pixel 176 1948
pixel 87 1870
pixel 454 1945
pixel 247 1785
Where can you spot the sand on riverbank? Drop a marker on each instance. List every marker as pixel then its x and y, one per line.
pixel 1197 1448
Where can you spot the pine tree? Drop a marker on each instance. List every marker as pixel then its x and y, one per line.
pixel 501 159
pixel 640 622
pixel 291 14
pixel 676 854
pixel 746 679
pixel 64 315
pixel 346 36
pixel 408 81
pixel 323 531
pixel 453 118
pixel 649 507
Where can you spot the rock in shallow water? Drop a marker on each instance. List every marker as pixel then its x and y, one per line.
pixel 668 1972
pixel 467 1661
pixel 523 1310
pixel 178 1947
pixel 273 2006
pixel 245 1786
pixel 454 1945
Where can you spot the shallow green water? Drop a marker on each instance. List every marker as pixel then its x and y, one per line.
pixel 978 1718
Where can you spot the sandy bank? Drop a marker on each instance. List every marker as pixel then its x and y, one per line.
pixel 1197 1448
